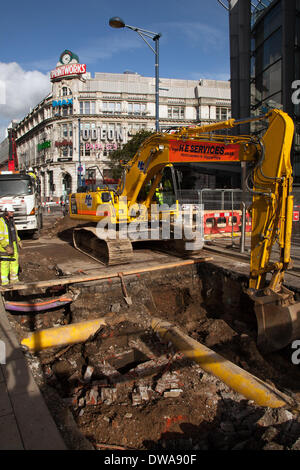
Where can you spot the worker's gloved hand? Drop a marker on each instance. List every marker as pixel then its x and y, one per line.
pixel 9 250
pixel 20 244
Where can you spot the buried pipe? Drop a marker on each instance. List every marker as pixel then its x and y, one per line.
pixel 236 378
pixel 37 306
pixel 63 335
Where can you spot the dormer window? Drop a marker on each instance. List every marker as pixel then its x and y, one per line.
pixel 66 91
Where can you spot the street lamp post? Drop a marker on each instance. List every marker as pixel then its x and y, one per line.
pixel 79 160
pixel 117 22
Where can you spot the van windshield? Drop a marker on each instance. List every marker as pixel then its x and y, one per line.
pixel 15 187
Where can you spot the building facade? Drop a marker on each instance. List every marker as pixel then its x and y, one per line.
pixel 72 131
pixel 265 62
pixel 4 152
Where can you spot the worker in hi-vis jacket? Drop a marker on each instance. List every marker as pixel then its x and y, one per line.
pixel 9 246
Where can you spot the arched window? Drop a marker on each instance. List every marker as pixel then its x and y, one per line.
pixel 66 91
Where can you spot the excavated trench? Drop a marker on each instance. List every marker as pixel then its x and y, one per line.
pixel 124 388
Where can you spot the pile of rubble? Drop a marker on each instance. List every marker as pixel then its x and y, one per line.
pixel 142 394
pixel 134 387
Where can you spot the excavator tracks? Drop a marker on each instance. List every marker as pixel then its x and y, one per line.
pixel 119 251
pixel 108 252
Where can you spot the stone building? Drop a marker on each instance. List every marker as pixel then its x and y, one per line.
pixel 265 63
pixel 107 109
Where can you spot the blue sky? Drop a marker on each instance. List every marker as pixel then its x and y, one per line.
pixel 194 43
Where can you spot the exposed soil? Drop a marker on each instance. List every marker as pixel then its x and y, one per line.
pixel 125 388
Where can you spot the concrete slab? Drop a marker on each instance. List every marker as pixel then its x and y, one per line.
pixel 13 349
pixel 5 403
pixel 10 438
pixel 18 377
pixel 36 425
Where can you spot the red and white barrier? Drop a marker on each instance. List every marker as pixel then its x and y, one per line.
pixel 224 223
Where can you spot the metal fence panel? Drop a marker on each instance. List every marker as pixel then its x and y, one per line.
pixel 231 200
pixel 215 199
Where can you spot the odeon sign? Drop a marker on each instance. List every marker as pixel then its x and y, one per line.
pixel 102 133
pixel 71 69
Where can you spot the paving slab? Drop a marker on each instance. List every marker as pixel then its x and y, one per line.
pixel 18 377
pixel 10 438
pixel 35 422
pixel 5 403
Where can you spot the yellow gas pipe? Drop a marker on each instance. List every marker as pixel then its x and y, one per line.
pixel 236 378
pixel 63 335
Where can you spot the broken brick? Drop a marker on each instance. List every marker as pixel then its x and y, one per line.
pixel 144 393
pixel 110 372
pixel 168 381
pixel 88 374
pixel 176 392
pixel 48 372
pixel 81 402
pixel 136 399
pixel 149 367
pixel 92 397
pixel 108 395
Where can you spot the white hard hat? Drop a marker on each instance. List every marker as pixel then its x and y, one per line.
pixel 9 208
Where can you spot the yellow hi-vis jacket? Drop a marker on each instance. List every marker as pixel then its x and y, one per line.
pixel 4 235
pixel 159 196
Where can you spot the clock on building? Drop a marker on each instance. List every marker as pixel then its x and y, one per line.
pixel 67 56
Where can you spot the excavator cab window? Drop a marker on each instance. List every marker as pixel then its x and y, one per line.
pixel 166 187
pixel 106 197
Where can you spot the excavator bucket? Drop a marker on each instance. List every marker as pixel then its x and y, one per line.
pixel 278 322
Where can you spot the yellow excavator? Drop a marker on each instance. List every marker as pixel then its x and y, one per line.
pixel 278 315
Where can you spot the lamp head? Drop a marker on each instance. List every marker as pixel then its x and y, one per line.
pixel 116 22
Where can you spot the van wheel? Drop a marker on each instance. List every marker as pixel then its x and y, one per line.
pixel 36 235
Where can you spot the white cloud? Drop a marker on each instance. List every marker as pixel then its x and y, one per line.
pixel 23 90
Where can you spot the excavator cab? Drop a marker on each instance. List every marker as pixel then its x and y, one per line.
pixel 168 188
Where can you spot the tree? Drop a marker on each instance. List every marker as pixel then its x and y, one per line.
pixel 121 156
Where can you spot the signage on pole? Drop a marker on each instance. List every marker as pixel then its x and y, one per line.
pixel 81 169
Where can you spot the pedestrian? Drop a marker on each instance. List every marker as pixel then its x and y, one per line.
pixel 63 200
pixel 9 246
pixel 159 195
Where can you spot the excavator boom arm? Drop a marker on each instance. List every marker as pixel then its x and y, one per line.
pixel 272 206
